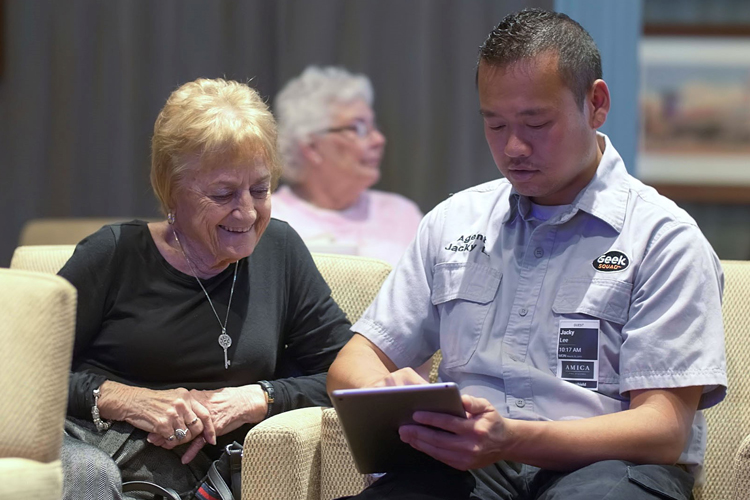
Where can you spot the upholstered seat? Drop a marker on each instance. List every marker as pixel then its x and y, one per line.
pixel 37 324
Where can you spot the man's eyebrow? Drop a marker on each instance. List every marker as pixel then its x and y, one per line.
pixel 533 111
pixel 526 112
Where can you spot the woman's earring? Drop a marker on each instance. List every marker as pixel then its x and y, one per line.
pixel 170 218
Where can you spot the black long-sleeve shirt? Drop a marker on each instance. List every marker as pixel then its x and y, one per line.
pixel 143 323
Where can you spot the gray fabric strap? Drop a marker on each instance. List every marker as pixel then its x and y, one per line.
pixel 115 438
pixel 219 484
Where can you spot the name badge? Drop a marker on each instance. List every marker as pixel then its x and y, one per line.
pixel 578 352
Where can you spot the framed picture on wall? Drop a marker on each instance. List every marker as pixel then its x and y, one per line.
pixel 695 117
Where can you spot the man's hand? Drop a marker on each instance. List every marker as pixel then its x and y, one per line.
pixel 404 376
pixel 471 443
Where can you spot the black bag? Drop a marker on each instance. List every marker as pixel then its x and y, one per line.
pixel 224 478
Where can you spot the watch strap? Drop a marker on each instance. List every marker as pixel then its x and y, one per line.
pixel 270 395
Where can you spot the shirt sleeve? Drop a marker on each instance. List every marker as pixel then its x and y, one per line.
pixel 402 320
pixel 90 270
pixel 314 331
pixel 674 336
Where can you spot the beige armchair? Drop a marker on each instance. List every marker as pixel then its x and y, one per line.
pixel 37 322
pixel 354 282
pixel 727 462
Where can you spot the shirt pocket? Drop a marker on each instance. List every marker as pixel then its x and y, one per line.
pixel 463 293
pixel 607 300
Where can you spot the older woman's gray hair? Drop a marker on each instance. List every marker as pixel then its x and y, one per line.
pixel 304 106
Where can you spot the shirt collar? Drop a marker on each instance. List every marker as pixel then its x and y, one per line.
pixel 604 197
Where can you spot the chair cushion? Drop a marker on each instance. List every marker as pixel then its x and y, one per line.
pixel 28 479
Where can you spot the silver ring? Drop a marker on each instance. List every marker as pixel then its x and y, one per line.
pixel 193 422
pixel 180 434
pixel 171 438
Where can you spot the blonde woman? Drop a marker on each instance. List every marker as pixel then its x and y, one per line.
pixel 193 329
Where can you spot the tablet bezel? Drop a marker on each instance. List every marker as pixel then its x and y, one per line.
pixel 370 418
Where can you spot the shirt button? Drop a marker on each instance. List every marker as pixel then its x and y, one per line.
pixel 523 312
pixel 539 252
pixel 520 403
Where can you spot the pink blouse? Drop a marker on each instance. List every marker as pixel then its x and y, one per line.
pixel 379 224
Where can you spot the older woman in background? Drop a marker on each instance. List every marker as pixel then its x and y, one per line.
pixel 190 330
pixel 332 149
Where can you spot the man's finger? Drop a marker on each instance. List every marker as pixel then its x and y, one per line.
pixel 448 423
pixel 454 458
pixel 435 437
pixel 474 405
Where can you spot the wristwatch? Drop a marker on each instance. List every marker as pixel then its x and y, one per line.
pixel 268 389
pixel 101 425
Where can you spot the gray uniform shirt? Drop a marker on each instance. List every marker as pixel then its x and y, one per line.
pixel 622 274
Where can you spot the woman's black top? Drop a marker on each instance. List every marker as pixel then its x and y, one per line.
pixel 143 323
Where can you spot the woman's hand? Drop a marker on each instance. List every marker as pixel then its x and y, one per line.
pixel 229 408
pixel 233 407
pixel 160 413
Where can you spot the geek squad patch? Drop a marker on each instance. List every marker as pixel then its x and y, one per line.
pixel 611 261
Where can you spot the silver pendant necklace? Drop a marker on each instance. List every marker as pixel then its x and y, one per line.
pixel 225 341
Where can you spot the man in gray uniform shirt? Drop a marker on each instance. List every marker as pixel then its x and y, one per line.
pixel 577 309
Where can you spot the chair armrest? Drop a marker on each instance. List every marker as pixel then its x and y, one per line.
pixel 24 478
pixel 338 474
pixel 281 457
pixel 741 470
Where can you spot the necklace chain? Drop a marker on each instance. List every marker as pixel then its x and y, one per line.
pixel 224 343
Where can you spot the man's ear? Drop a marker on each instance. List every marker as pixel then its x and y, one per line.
pixel 598 102
pixel 310 153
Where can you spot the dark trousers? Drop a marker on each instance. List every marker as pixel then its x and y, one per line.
pixel 610 480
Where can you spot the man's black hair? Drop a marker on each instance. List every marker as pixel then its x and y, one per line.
pixel 531 32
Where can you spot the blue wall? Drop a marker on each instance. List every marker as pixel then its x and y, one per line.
pixel 616 26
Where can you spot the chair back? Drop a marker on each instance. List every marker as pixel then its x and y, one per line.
pixel 729 421
pixel 41 258
pixel 354 281
pixel 37 324
pixel 64 230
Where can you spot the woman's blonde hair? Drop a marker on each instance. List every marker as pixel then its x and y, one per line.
pixel 213 122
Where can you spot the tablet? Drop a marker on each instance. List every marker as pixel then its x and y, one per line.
pixel 371 417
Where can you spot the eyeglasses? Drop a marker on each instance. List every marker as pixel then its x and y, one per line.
pixel 359 127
